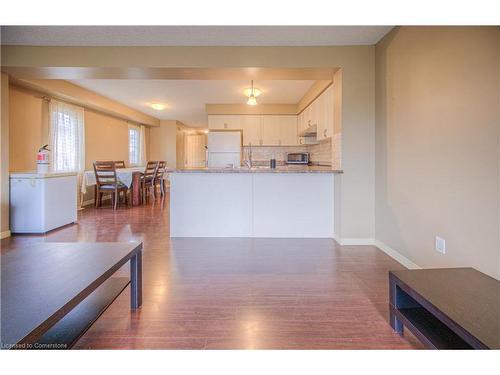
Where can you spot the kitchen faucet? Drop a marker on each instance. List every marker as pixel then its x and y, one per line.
pixel 248 161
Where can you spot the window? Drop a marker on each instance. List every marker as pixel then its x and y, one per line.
pixel 66 137
pixel 134 145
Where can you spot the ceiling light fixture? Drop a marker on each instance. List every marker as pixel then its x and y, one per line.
pixel 252 94
pixel 158 106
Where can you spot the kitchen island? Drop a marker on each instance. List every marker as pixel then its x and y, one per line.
pixel 286 202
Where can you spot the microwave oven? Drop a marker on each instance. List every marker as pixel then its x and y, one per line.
pixel 297 158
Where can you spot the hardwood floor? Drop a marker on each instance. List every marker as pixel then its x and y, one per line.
pixel 233 293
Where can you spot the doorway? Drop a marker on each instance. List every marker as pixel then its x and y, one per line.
pixel 196 150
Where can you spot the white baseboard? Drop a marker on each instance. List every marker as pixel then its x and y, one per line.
pixel 4 234
pixel 355 241
pixel 397 256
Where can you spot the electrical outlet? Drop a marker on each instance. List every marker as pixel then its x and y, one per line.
pixel 440 245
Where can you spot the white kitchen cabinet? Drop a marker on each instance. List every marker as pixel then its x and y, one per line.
pixel 252 130
pixel 259 130
pixel 231 122
pixel 288 131
pixel 300 122
pixel 271 130
pixel 307 117
pixel 325 119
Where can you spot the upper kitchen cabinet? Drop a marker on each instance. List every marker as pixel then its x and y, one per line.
pixel 220 122
pixel 317 117
pixel 252 130
pixel 271 129
pixel 288 130
pixel 259 130
pixel 325 115
pixel 279 130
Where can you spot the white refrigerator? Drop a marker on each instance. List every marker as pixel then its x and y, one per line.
pixel 40 202
pixel 224 149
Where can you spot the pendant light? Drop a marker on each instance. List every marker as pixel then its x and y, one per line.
pixel 251 99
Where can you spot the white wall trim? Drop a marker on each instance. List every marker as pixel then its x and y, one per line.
pixel 4 234
pixel 355 241
pixel 397 256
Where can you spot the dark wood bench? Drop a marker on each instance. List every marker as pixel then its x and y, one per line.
pixel 450 308
pixel 53 292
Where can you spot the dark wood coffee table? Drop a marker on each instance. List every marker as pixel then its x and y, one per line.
pixel 53 292
pixel 450 308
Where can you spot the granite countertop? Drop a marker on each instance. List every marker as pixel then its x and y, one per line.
pixel 260 169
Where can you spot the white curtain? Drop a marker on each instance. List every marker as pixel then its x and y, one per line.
pixel 67 138
pixel 142 147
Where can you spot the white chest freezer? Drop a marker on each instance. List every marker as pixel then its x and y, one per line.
pixel 42 202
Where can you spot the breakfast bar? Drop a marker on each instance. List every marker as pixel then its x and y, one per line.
pixel 285 202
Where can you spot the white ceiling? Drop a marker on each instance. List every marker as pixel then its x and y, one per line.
pixel 192 35
pixel 186 99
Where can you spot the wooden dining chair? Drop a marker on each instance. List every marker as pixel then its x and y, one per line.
pixel 107 182
pixel 148 180
pixel 120 164
pixel 159 178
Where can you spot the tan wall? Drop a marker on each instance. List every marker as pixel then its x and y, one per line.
pixel 243 109
pixel 180 148
pixel 163 142
pixel 4 156
pixel 26 135
pixel 437 145
pixel 105 137
pixel 86 98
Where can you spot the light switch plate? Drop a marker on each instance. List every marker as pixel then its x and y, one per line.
pixel 440 245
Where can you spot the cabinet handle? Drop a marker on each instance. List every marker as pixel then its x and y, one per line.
pixel 324 133
pixel 225 125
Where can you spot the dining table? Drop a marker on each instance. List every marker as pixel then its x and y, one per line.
pixel 128 176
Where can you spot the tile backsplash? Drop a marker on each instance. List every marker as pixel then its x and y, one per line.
pixel 320 153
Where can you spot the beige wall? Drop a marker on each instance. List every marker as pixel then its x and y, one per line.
pixel 244 109
pixel 4 157
pixel 437 145
pixel 105 137
pixel 26 135
pixel 86 98
pixel 163 142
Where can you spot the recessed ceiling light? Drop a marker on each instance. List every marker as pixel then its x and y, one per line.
pixel 158 106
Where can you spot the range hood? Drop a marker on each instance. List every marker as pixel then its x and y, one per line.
pixel 311 131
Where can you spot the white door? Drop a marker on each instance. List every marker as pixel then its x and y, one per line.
pixel 195 150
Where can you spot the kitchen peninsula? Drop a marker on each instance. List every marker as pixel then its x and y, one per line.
pixel 293 202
